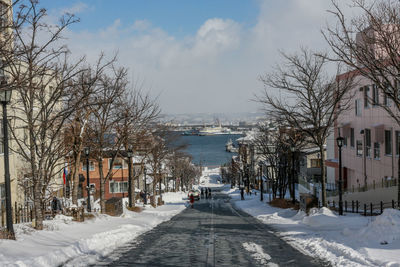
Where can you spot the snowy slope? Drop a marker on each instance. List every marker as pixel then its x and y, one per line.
pixel 350 240
pixel 82 243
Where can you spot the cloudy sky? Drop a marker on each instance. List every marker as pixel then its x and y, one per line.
pixel 196 56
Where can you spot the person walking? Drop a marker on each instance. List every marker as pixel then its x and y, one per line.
pixel 191 198
pixel 206 192
pixel 202 193
pixel 55 206
pixel 242 193
pixel 209 193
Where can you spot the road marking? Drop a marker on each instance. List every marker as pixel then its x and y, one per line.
pixel 211 247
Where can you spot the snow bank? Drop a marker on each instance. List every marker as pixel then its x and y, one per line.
pixel 64 241
pixel 384 229
pixel 350 240
pixel 171 197
pixel 321 218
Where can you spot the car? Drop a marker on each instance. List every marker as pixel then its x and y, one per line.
pixel 195 193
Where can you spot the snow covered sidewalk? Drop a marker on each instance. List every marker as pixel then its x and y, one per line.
pixel 83 243
pixel 350 240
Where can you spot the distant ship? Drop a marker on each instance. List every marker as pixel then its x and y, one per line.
pixel 191 132
pixel 213 131
pixel 217 130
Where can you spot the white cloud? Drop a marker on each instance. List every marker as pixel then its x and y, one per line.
pixel 75 9
pixel 216 68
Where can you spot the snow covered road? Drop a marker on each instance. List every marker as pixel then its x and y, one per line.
pixel 210 234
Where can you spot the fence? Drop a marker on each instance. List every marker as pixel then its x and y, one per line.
pixel 24 213
pixel 20 214
pixel 365 209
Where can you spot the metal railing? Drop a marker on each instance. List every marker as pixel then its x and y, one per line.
pixel 367 209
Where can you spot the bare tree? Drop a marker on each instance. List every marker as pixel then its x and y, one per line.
pixel 165 143
pixel 36 67
pixel 102 134
pixel 87 85
pixel 177 162
pixel 137 112
pixel 277 146
pixel 311 97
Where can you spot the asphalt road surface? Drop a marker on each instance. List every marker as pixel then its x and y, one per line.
pixel 213 233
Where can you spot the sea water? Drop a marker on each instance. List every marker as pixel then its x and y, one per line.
pixel 209 150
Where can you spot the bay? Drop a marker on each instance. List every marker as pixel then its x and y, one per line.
pixel 209 150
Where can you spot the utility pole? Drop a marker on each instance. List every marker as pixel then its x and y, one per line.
pixel 88 206
pixel 130 154
pixel 261 183
pixel 5 98
pixel 339 142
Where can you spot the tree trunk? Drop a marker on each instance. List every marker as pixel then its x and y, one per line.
pixel 75 177
pixel 132 183
pixel 323 176
pixel 102 186
pixel 37 199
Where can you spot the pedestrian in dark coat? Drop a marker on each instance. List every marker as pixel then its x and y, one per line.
pixel 242 193
pixel 209 193
pixel 55 205
pixel 206 193
pixel 191 198
pixel 202 193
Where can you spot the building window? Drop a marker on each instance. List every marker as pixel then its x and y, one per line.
pixel 375 95
pixel 388 142
pixel 352 137
pixel 315 163
pixel 358 107
pixel 344 141
pixel 367 142
pixel 377 151
pixel 397 142
pixel 118 187
pixel 2 196
pixel 91 166
pixel 386 99
pixel 397 85
pixel 119 163
pixel 366 100
pixel 359 148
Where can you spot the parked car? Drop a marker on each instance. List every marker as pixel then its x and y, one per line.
pixel 195 193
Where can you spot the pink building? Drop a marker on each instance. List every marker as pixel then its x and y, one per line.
pixel 372 139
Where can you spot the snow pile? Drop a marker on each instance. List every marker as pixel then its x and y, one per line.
pixel 385 229
pixel 320 218
pixel 171 197
pixel 258 254
pixel 64 241
pixel 350 240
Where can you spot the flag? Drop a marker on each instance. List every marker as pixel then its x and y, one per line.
pixel 65 173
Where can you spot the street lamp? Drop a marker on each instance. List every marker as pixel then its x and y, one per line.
pixel 293 149
pixel 247 178
pixel 339 142
pixel 5 98
pixel 130 154
pixel 145 185
pixel 261 183
pixel 87 152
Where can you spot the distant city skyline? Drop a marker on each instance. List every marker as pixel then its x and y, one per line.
pixel 195 56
